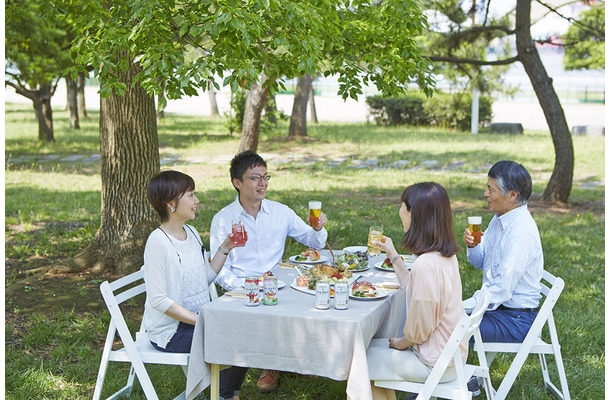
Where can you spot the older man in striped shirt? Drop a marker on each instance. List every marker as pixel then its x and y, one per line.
pixel 510 255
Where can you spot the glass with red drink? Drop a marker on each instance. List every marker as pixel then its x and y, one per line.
pixel 239 233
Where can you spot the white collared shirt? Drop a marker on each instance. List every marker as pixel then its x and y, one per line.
pixel 266 239
pixel 510 255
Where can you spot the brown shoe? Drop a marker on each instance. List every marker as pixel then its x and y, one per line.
pixel 268 381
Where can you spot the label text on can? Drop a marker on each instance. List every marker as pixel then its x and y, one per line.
pixel 341 296
pixel 322 295
pixel 251 292
pixel 270 290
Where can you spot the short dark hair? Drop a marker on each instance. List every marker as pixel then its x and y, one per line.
pixel 431 220
pixel 244 160
pixel 165 187
pixel 510 175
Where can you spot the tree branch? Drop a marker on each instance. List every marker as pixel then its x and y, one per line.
pixel 586 27
pixel 19 89
pixel 457 60
pixel 480 29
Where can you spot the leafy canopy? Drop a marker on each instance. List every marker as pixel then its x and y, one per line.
pixel 361 41
pixel 35 44
pixel 585 41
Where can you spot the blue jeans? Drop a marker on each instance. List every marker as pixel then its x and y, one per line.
pixel 180 342
pixel 231 380
pixel 506 325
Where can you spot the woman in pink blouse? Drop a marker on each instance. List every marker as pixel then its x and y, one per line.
pixel 433 288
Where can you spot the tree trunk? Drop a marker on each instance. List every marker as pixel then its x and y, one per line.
pixel 44 112
pixel 80 95
pixel 213 104
pixel 72 102
pixel 256 98
pixel 271 110
pixel 560 184
pixel 313 115
pixel 298 119
pixel 129 150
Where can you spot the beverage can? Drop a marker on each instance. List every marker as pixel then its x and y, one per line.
pixel 341 296
pixel 322 295
pixel 251 291
pixel 270 290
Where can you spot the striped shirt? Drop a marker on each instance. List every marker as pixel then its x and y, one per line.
pixel 510 255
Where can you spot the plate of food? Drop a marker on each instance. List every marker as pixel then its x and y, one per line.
pixel 306 282
pixel 386 265
pixel 355 262
pixel 309 256
pixel 364 290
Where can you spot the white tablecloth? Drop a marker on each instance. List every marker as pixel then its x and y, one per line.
pixel 295 336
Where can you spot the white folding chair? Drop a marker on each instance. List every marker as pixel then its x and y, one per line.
pixel 457 388
pixel 138 352
pixel 533 344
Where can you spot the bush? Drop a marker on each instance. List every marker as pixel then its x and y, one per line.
pixel 408 110
pixel 454 110
pixel 235 115
pixel 441 110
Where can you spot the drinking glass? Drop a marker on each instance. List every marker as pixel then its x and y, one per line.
pixel 239 233
pixel 474 224
pixel 375 234
pixel 315 207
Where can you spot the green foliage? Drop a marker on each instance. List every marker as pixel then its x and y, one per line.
pixel 453 111
pixel 35 44
pixel 585 41
pixel 442 110
pixel 363 42
pixel 404 110
pixel 459 39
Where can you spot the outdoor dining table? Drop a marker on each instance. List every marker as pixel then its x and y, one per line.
pixel 294 335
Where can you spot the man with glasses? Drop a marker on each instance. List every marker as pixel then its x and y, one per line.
pixel 268 224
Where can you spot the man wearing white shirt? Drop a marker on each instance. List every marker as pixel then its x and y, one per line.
pixel 268 224
pixel 510 255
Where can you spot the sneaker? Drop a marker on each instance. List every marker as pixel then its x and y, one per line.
pixel 473 386
pixel 268 381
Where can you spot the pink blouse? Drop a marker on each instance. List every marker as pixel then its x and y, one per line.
pixel 434 298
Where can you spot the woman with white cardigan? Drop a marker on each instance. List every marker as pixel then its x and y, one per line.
pixel 176 267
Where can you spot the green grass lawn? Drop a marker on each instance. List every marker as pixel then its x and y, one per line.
pixel 55 327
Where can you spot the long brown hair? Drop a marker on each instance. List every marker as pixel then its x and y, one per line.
pixel 431 220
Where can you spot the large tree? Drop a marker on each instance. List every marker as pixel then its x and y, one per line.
pixel 35 51
pixel 243 42
pixel 560 183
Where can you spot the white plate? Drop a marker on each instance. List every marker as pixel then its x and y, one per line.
pixel 359 270
pixel 319 261
pixel 408 260
pixel 354 249
pixel 303 289
pixel 381 293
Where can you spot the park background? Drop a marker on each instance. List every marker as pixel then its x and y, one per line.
pixel 54 326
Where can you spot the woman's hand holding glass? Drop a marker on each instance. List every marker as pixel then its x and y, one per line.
pixel 228 244
pixel 388 246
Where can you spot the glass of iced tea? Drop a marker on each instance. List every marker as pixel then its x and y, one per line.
pixel 474 224
pixel 375 234
pixel 239 233
pixel 315 207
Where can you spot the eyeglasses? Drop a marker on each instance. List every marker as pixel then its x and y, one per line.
pixel 257 178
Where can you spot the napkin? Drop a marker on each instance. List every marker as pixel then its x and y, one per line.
pixel 239 293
